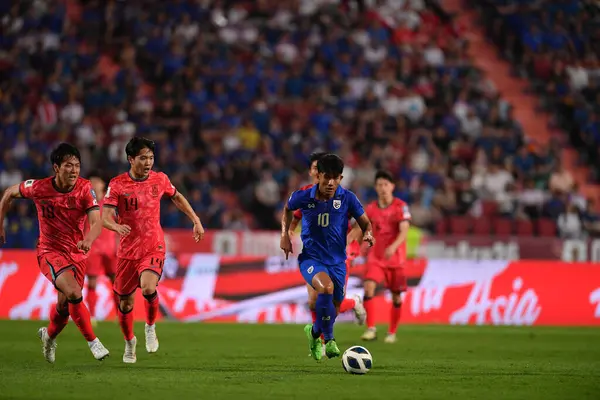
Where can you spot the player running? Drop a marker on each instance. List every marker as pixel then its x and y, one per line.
pixel 62 201
pixel 132 209
pixel 385 262
pixel 103 256
pixel 354 303
pixel 326 208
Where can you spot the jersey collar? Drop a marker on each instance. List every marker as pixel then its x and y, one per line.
pixel 137 179
pixel 59 190
pixel 313 191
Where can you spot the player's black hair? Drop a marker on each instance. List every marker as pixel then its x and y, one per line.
pixel 137 144
pixel 62 152
pixel 316 156
pixel 330 164
pixel 381 174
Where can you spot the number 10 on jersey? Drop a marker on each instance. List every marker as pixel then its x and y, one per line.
pixel 323 220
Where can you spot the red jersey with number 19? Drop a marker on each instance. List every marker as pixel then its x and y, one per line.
pixel 61 215
pixel 138 205
pixel 386 227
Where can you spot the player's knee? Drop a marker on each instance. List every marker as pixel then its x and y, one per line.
pixel 148 290
pixel 72 293
pixel 125 305
pixel 326 288
pixel 397 299
pixel 369 290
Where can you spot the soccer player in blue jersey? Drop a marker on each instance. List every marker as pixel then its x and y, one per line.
pixel 326 208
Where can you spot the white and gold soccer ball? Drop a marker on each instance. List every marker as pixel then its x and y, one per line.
pixel 357 360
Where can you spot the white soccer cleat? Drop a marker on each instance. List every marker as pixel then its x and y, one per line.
pixel 390 338
pixel 359 310
pixel 98 350
pixel 129 356
pixel 151 339
pixel 370 334
pixel 48 345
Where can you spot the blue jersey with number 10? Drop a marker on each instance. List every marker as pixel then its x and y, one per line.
pixel 325 223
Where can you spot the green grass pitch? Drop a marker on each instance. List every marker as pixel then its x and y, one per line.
pixel 222 361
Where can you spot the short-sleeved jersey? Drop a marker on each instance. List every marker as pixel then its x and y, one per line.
pixel 325 223
pixel 138 205
pixel 386 227
pixel 298 212
pixel 106 242
pixel 61 215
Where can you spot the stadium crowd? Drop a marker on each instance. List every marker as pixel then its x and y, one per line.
pixel 237 94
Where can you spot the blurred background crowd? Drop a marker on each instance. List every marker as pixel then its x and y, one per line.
pixel 237 94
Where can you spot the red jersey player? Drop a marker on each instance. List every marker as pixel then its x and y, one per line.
pixel 354 303
pixel 132 209
pixel 63 202
pixel 385 262
pixel 103 256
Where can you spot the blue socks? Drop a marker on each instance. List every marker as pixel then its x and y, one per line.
pixel 326 315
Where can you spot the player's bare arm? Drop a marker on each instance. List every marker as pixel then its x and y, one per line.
pixel 355 234
pixel 184 206
pixel 286 220
pixel 109 221
pixel 367 229
pixel 95 222
pixel 10 193
pixel 293 225
pixel 401 238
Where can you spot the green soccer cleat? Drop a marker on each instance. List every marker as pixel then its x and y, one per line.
pixel 315 345
pixel 331 349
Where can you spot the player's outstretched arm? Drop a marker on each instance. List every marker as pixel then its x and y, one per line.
pixel 109 221
pixel 95 221
pixel 286 220
pixel 366 228
pixel 184 205
pixel 10 193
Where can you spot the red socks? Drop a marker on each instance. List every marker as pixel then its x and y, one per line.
pixel 126 323
pixel 81 316
pixel 57 322
pixel 370 309
pixel 151 304
pixel 347 305
pixel 395 314
pixel 92 299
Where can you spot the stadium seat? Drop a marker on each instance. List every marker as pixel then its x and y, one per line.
pixel 503 227
pixel 546 227
pixel 482 226
pixel 524 228
pixel 460 225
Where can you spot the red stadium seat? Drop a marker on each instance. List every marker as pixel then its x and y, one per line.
pixel 460 225
pixel 441 227
pixel 503 227
pixel 546 227
pixel 489 208
pixel 482 226
pixel 524 228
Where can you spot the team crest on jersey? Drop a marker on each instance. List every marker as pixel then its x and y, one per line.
pixel 337 204
pixel 155 190
pixel 71 202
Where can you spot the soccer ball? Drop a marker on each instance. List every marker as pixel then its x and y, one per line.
pixel 357 360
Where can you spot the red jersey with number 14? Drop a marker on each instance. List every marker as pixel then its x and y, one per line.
pixel 61 215
pixel 386 227
pixel 138 205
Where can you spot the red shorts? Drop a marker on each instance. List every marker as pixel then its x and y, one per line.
pixel 127 279
pixel 53 264
pixel 393 277
pixel 101 264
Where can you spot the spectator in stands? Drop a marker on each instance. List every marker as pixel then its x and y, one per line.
pixel 570 225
